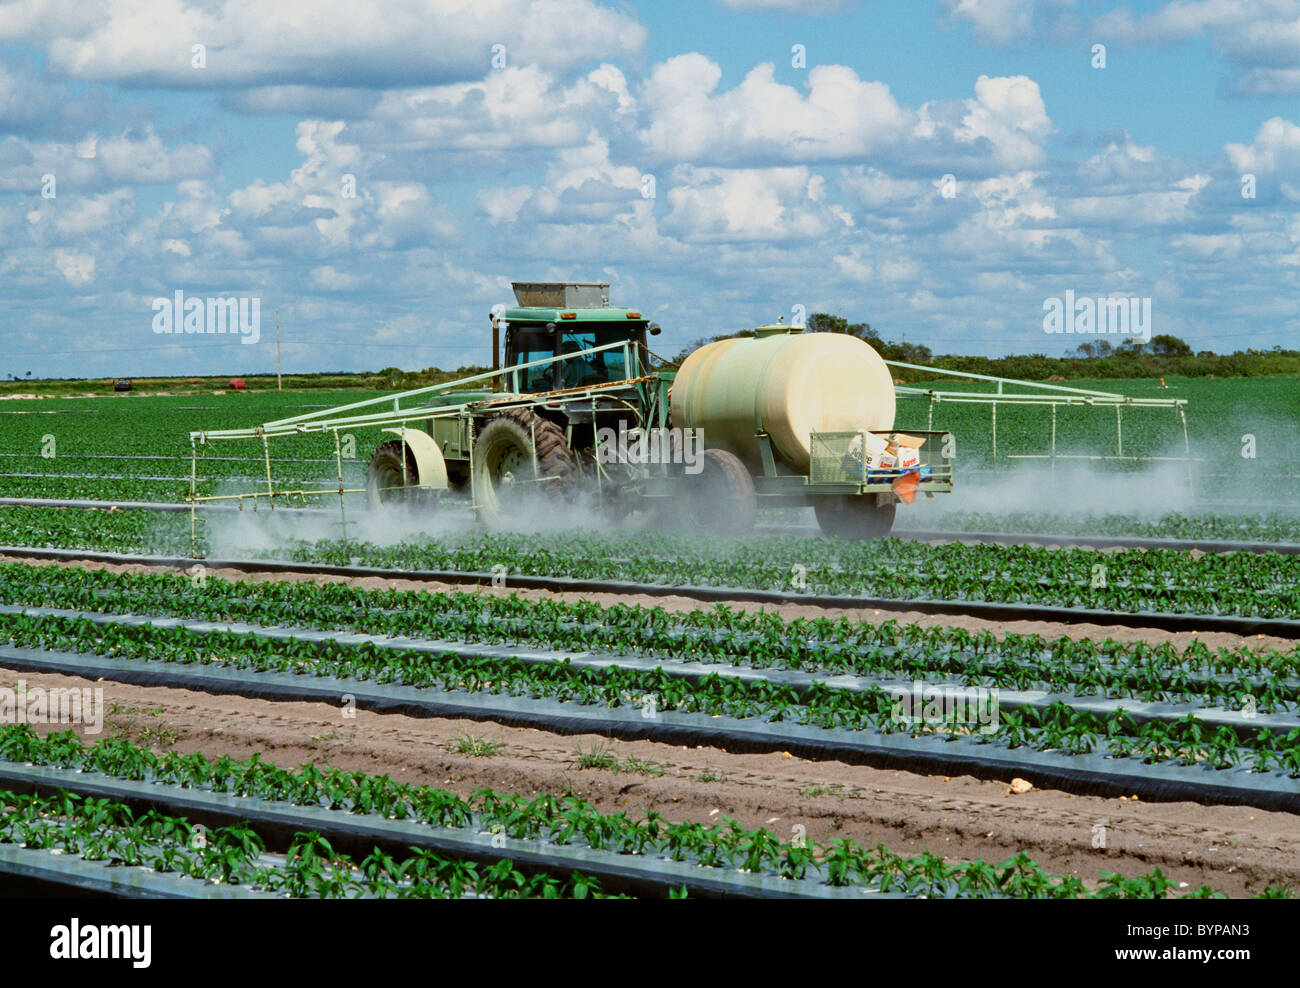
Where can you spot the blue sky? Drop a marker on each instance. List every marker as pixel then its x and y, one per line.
pixel 776 184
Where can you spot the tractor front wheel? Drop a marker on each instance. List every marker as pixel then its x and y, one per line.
pixel 519 453
pixel 393 478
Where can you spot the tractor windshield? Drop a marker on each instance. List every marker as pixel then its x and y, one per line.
pixel 528 344
pixel 595 368
pixel 535 346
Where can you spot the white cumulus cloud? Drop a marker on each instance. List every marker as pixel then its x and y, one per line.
pixel 296 42
pixel 78 269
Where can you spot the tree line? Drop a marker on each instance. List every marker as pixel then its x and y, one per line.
pixel 1164 355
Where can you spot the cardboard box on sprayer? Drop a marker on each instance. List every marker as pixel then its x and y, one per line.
pixel 871 449
pixel 902 452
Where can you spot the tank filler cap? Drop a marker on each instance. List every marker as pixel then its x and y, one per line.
pixel 772 329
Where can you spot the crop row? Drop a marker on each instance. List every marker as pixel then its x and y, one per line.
pixel 1264 585
pixel 1247 584
pixel 173 468
pixel 1263 527
pixel 163 489
pixel 1057 727
pixel 1142 679
pixel 567 819
pixel 99 489
pixel 719 634
pixel 113 833
pixel 138 532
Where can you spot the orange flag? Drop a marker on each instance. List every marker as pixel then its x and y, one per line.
pixel 905 487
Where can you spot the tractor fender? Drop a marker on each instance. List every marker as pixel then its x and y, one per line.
pixel 430 466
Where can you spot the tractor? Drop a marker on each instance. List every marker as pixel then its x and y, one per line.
pixel 573 405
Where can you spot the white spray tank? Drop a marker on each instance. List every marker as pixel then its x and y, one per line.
pixel 784 382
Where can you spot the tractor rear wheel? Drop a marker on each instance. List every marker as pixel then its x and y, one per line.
pixel 722 494
pixel 518 452
pixel 389 481
pixel 854 516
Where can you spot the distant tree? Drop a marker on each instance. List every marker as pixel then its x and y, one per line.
pixel 908 353
pixel 694 345
pixel 824 322
pixel 1092 350
pixel 1165 345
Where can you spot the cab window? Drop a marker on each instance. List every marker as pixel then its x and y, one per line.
pixel 530 347
pixel 594 368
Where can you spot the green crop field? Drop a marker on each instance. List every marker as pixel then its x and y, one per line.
pixel 137 448
pixel 403 639
pixel 1219 414
pixel 1056 700
pixel 97 447
pixel 1243 432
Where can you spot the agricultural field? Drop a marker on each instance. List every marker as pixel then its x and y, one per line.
pixel 403 705
pixel 1242 435
pixel 1247 585
pixel 1219 413
pixel 137 448
pixel 1267 527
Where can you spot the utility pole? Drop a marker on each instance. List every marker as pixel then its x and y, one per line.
pixel 279 385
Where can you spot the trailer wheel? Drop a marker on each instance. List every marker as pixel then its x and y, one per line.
pixel 388 483
pixel 506 470
pixel 722 497
pixel 858 517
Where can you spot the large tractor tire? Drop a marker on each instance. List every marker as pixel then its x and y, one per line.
pixel 509 466
pixel 722 497
pixel 390 482
pixel 857 517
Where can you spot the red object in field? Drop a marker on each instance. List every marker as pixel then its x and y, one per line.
pixel 905 487
pixel 238 384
